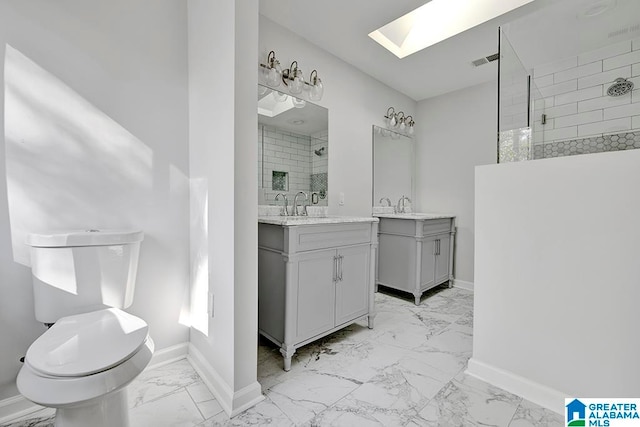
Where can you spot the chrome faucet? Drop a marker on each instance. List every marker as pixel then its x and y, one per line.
pixel 295 203
pixel 401 203
pixel 388 201
pixel 285 206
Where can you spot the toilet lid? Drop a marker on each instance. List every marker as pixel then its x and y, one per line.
pixel 87 343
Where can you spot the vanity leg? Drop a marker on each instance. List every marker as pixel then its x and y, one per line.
pixel 417 298
pixel 287 352
pixel 370 319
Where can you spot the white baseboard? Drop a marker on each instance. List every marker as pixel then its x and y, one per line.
pixel 463 284
pixel 17 406
pixel 169 355
pixel 232 403
pixel 535 392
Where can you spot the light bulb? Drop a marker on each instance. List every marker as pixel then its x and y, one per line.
pixel 393 121
pixel 402 125
pixel 298 103
pixel 410 130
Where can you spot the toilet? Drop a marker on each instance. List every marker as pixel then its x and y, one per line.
pixel 93 349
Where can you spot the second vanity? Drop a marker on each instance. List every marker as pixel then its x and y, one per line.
pixel 315 276
pixel 415 251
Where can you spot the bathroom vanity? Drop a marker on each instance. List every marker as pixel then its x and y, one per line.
pixel 315 276
pixel 415 251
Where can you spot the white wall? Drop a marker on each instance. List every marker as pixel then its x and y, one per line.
pixel 455 132
pixel 223 126
pixel 96 125
pixel 556 280
pixel 355 102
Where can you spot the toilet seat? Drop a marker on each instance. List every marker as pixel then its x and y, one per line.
pixel 65 392
pixel 88 343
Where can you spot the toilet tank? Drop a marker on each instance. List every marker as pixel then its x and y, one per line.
pixel 80 271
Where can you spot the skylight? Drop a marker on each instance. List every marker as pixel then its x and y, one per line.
pixel 438 20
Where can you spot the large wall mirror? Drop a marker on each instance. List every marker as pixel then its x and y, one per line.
pixel 293 148
pixel 393 166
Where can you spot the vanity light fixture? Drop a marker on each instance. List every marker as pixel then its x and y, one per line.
pixel 410 125
pixel 272 71
pixel 293 78
pixel 317 89
pixel 399 122
pixel 390 117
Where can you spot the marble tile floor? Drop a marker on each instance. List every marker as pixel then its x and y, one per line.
pixel 407 371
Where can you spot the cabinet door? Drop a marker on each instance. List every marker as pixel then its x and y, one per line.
pixel 315 299
pixel 353 286
pixel 428 272
pixel 442 259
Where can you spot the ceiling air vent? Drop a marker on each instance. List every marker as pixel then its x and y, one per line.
pixel 485 60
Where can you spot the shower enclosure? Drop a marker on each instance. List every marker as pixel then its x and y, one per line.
pixel 577 105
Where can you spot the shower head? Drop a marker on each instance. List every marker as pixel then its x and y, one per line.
pixel 319 151
pixel 620 87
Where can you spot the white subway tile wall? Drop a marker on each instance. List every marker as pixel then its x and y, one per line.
pixel 575 101
pixel 284 151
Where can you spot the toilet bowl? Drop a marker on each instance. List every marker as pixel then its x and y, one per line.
pixel 82 365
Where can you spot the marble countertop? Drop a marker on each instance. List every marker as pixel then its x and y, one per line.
pixel 414 215
pixel 289 221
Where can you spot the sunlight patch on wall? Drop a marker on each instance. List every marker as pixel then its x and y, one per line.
pixel 69 165
pixel 198 317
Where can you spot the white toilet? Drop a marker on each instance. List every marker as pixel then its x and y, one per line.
pixel 83 363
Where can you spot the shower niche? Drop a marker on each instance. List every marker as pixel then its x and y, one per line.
pixel 293 148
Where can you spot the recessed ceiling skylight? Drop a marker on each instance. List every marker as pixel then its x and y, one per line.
pixel 438 20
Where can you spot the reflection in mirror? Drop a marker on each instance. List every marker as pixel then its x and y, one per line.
pixel 292 148
pixel 393 166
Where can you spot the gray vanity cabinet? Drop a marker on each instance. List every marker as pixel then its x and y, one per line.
pixel 415 252
pixel 314 280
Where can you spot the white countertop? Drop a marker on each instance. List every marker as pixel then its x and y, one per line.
pixel 289 221
pixel 414 215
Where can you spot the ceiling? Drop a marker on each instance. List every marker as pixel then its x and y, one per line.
pixel 541 31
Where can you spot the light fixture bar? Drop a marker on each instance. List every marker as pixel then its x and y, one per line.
pixel 438 20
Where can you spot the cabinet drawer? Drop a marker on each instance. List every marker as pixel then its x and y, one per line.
pixel 436 226
pixel 312 237
pixel 403 227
